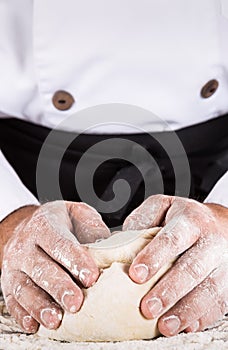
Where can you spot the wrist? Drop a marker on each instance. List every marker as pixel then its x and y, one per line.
pixel 8 225
pixel 220 214
pixel 217 207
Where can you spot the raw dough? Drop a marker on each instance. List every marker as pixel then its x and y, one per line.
pixel 110 311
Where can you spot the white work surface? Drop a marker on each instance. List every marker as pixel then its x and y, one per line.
pixel 12 338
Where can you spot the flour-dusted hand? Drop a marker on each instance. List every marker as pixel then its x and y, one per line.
pixel 43 261
pixel 193 294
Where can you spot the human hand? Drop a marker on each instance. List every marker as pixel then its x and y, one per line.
pixel 193 294
pixel 43 261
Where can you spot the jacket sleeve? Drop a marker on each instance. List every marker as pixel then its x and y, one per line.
pixel 13 194
pixel 219 193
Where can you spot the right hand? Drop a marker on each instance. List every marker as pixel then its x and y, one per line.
pixel 43 261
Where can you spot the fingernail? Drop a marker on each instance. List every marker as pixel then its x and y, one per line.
pixel 85 277
pixel 69 301
pixel 50 318
pixel 28 323
pixel 172 323
pixel 154 306
pixel 142 272
pixel 194 326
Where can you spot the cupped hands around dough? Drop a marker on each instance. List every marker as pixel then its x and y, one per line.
pixel 111 308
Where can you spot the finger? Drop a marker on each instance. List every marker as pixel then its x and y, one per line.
pixel 210 294
pixel 210 318
pixel 172 240
pixel 206 321
pixel 214 312
pixel 87 223
pixel 47 275
pixel 74 258
pixel 150 213
pixel 26 321
pixel 36 302
pixel 60 244
pixel 190 270
pixel 194 327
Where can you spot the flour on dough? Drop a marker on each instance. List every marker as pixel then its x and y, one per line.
pixel 110 311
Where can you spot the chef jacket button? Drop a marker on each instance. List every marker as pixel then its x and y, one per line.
pixel 62 100
pixel 209 88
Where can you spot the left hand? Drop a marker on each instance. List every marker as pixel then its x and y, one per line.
pixel 193 294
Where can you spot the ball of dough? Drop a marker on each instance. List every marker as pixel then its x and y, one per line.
pixel 111 309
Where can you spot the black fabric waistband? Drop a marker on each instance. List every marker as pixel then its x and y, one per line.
pixel 205 144
pixel 196 138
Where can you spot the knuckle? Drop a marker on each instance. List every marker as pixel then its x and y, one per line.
pixel 172 238
pixel 39 222
pixel 182 228
pixel 46 275
pixel 37 271
pixel 156 200
pixel 169 295
pixel 20 288
pixel 146 214
pixel 9 302
pixel 194 268
pixel 140 220
pixel 17 291
pixel 66 252
pixel 176 239
pixel 85 206
pixel 60 244
pixel 218 294
pixel 197 212
pixel 156 197
pixel 17 313
pixel 50 206
pixel 8 279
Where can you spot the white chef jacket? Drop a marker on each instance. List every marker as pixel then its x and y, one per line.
pixel 155 54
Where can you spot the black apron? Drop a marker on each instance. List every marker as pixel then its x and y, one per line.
pixel 205 145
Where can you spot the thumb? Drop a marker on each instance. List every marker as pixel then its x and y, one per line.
pixel 87 223
pixel 150 213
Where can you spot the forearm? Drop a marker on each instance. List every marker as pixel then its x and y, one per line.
pixel 8 225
